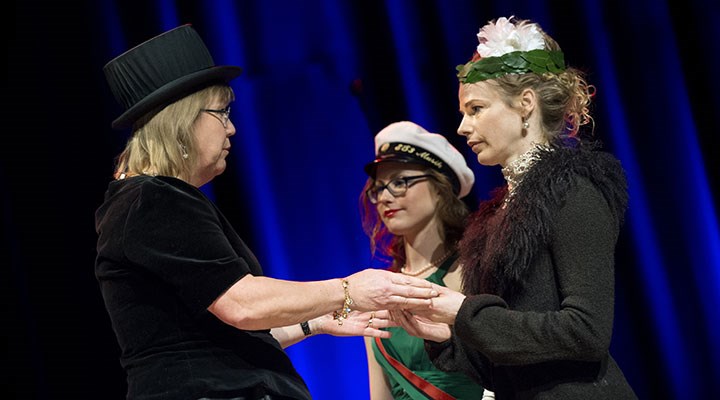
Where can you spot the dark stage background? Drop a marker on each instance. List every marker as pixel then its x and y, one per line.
pixel 320 78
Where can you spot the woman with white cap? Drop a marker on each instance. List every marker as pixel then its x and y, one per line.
pixel 413 213
pixel 190 307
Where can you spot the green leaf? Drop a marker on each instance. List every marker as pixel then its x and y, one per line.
pixel 516 62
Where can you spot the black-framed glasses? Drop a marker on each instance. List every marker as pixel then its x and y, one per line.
pixel 397 187
pixel 222 115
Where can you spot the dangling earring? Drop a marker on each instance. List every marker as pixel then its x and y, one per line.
pixel 184 150
pixel 526 125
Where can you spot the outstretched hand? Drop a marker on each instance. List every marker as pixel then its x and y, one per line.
pixel 444 307
pixel 421 327
pixel 374 289
pixel 358 323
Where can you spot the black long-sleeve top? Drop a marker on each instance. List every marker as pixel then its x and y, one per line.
pixel 547 335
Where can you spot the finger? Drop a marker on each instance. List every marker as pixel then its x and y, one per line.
pixel 398 302
pixel 423 307
pixel 377 333
pixel 382 323
pixel 406 321
pixel 395 315
pixel 399 316
pixel 363 316
pixel 390 323
pixel 419 293
pixel 404 280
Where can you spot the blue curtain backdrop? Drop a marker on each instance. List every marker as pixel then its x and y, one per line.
pixel 320 78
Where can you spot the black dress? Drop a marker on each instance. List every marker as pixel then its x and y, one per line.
pixel 164 254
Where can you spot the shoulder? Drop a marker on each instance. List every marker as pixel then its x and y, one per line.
pixel 587 214
pixel 584 174
pixel 587 161
pixel 166 197
pixel 159 187
pixel 585 194
pixel 162 184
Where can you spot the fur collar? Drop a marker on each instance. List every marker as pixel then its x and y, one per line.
pixel 499 244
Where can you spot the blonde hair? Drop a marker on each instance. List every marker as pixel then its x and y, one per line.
pixel 162 138
pixel 564 97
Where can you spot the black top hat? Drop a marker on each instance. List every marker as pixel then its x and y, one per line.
pixel 161 71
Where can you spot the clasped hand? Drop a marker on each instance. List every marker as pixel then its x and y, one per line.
pixel 374 289
pixel 432 323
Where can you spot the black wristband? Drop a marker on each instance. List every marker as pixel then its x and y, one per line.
pixel 306 328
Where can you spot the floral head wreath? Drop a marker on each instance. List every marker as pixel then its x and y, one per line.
pixel 506 48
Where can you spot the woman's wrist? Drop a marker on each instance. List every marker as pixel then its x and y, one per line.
pixel 317 325
pixel 305 326
pixel 341 314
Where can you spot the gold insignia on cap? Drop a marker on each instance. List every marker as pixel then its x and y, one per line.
pixel 384 147
pixel 431 158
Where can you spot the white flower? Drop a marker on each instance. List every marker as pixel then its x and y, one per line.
pixel 504 37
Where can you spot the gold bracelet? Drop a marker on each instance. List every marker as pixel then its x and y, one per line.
pixel 342 314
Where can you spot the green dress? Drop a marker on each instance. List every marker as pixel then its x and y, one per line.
pixel 410 352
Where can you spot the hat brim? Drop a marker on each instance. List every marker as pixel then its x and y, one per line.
pixel 371 168
pixel 175 90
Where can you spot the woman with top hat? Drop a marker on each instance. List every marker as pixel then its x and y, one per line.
pixel 534 319
pixel 190 307
pixel 413 213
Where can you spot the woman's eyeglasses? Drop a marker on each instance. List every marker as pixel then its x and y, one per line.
pixel 397 187
pixel 222 115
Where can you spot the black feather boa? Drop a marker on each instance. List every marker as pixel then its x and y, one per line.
pixel 498 245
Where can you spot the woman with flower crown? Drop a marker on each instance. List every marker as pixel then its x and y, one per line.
pixel 534 319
